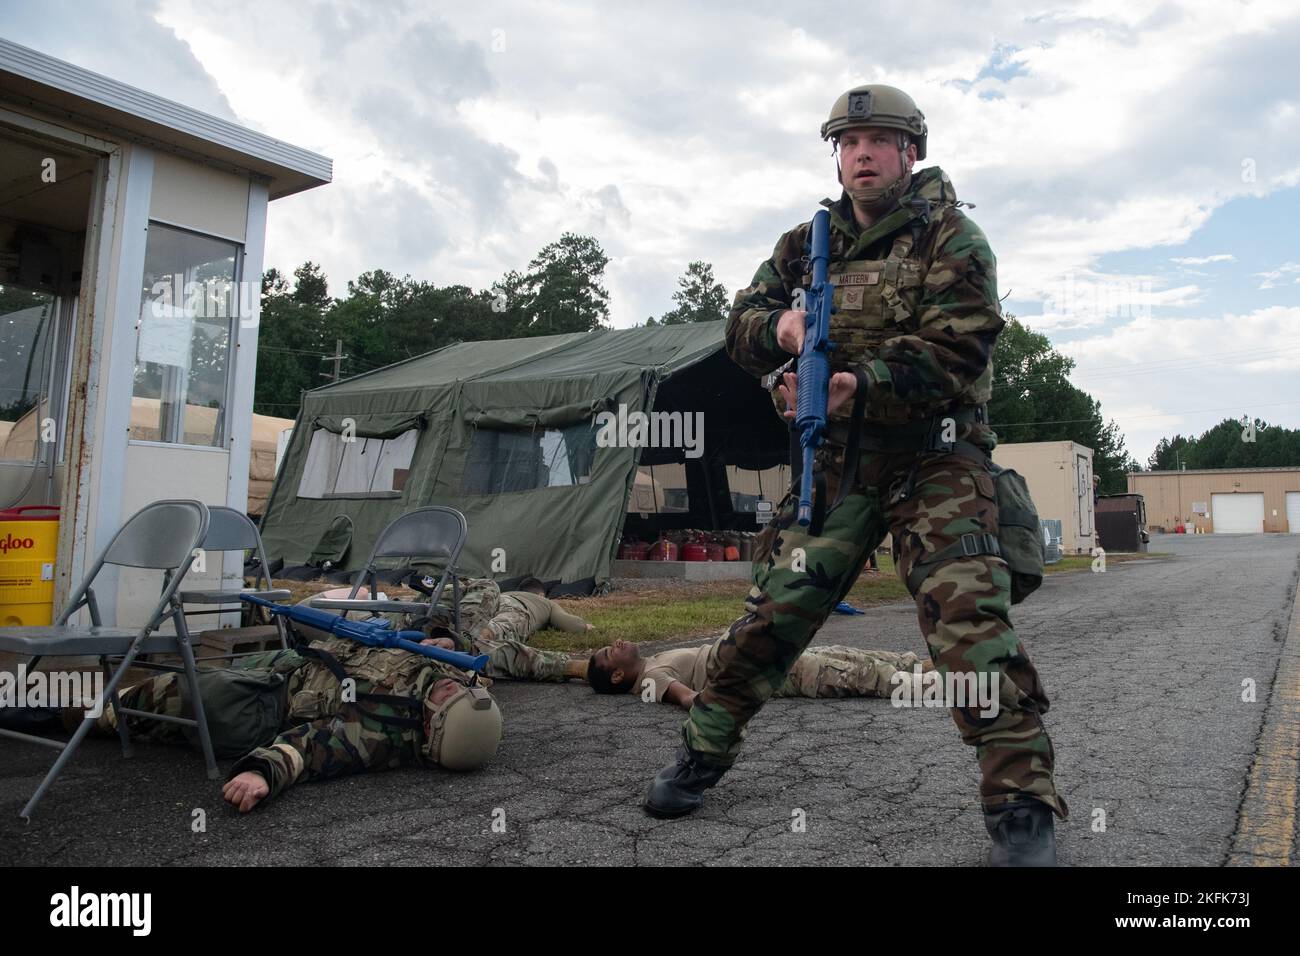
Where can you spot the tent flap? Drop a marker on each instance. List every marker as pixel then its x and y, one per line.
pixel 516 417
pixel 372 424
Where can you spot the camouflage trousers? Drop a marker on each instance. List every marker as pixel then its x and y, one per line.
pixel 963 609
pixel 838 671
pixel 482 614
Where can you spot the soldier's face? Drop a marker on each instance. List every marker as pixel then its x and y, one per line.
pixel 443 691
pixel 618 659
pixel 869 157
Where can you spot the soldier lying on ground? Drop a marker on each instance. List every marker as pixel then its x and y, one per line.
pixel 677 676
pixel 500 625
pixel 293 718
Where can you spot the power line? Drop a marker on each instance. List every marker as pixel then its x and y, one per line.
pixel 272 348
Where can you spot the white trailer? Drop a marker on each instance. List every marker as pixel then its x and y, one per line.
pixel 1059 474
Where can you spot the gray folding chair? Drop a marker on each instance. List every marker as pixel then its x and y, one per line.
pixel 231 530
pixel 436 533
pixel 161 536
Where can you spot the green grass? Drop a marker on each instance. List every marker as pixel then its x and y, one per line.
pixel 1083 562
pixel 703 610
pixel 683 612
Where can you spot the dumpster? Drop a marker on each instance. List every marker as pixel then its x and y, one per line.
pixel 29 540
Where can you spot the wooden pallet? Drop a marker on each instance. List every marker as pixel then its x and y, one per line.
pixel 237 640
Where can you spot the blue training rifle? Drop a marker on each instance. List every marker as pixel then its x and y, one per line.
pixel 814 369
pixel 375 635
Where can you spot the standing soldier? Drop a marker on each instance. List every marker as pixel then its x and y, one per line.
pixel 916 320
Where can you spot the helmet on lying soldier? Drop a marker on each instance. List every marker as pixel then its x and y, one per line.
pixel 464 731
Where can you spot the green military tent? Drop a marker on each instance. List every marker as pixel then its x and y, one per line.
pixel 511 433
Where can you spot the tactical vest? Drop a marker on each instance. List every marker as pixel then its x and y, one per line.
pixel 405 680
pixel 875 300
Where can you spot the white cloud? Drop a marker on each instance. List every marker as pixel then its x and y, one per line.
pixel 1158 377
pixel 709 133
pixel 1272 276
pixel 1203 260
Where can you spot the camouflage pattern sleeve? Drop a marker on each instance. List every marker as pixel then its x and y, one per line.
pixel 329 747
pixel 949 357
pixel 514 659
pixel 751 325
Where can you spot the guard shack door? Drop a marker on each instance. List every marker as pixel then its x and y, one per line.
pixel 1083 474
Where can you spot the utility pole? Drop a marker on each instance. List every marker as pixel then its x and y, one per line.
pixel 337 358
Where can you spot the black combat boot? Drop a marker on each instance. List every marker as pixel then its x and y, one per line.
pixel 1023 834
pixel 679 787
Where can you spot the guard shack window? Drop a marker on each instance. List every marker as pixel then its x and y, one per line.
pixel 501 461
pixel 356 467
pixel 27 329
pixel 189 305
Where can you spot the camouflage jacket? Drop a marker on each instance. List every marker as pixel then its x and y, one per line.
pixel 927 346
pixel 327 736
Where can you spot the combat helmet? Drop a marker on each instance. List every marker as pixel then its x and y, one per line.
pixel 465 730
pixel 877 105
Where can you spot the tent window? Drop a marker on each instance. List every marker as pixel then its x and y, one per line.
pixel 659 489
pixel 504 461
pixel 748 487
pixel 360 468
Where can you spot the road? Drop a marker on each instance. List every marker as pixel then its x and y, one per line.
pixel 1144 665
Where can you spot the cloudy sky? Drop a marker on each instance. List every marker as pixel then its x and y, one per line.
pixel 1136 166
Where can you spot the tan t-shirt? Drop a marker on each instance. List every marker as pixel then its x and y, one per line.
pixel 688 665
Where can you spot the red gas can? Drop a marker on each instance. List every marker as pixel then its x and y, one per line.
pixel 633 550
pixel 662 550
pixel 694 551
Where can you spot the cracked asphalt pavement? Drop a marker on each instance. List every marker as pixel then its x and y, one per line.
pixel 1143 664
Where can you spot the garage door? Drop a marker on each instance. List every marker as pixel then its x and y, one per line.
pixel 1293 511
pixel 1237 514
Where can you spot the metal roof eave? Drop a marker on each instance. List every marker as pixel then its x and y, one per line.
pixel 31 78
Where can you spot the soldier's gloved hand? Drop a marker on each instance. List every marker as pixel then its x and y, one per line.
pixel 245 790
pixel 843 385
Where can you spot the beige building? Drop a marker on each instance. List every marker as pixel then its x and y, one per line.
pixel 1059 475
pixel 1221 500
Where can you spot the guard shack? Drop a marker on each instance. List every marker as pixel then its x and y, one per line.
pixel 1059 475
pixel 131 237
